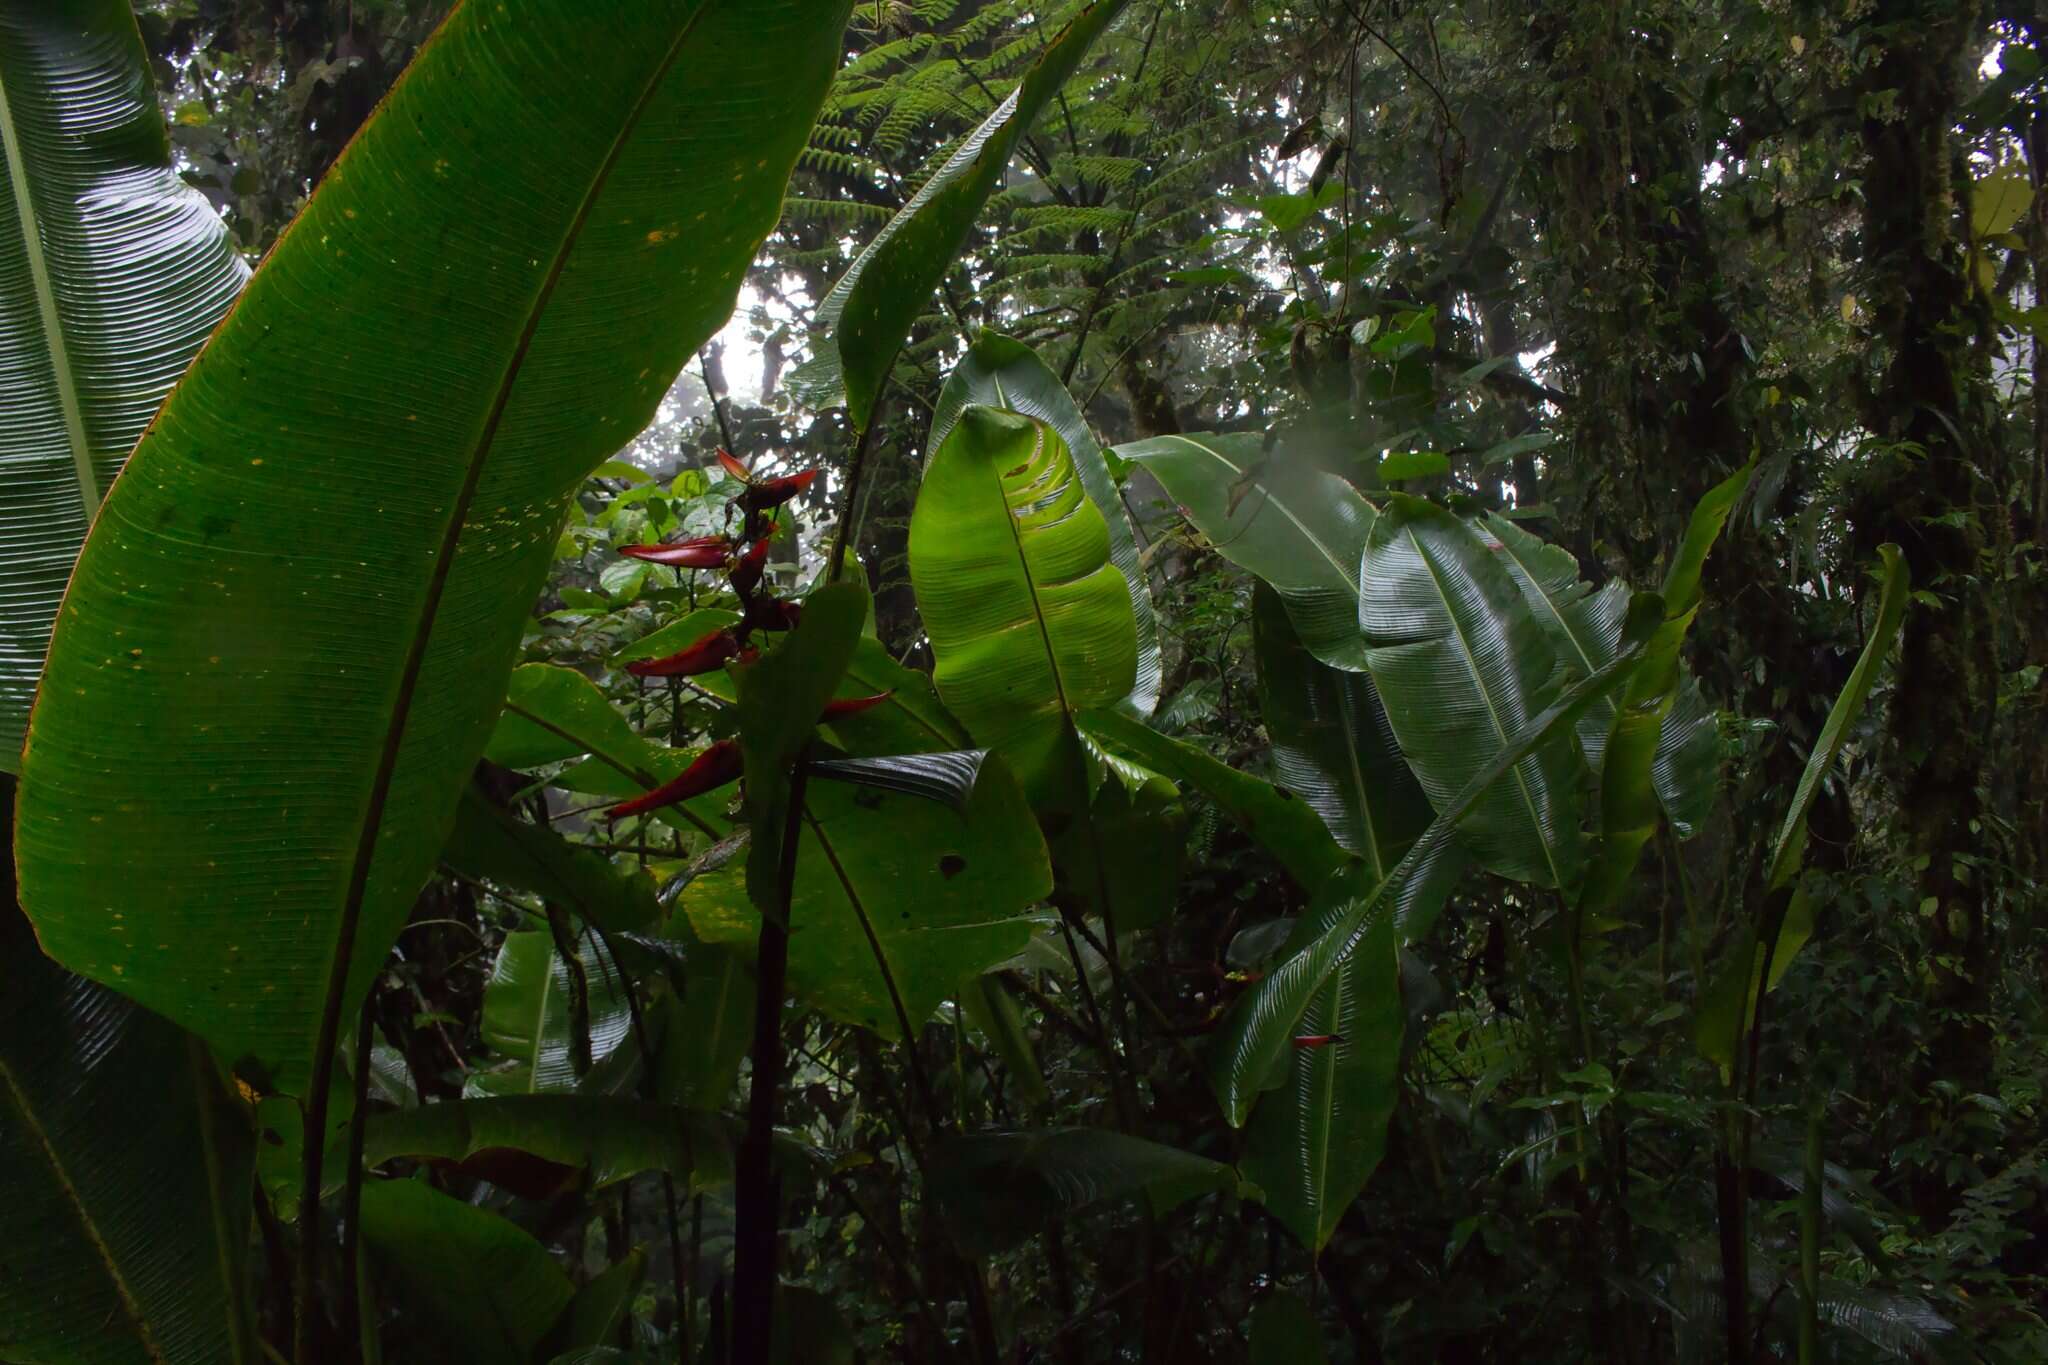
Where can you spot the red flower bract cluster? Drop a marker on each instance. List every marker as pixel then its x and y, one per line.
pixel 745 561
pixel 712 769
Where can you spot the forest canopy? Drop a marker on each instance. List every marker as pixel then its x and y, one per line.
pixel 967 680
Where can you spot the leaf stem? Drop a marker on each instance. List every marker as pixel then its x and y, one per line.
pixel 352 1192
pixel 757 1197
pixel 842 538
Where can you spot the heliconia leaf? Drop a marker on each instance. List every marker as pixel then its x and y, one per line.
pixel 996 1189
pixel 1001 373
pixel 1461 665
pixel 1028 617
pixel 1788 851
pixel 862 323
pixel 490 842
pixel 1582 622
pixel 947 778
pixel 1298 528
pixel 706 1029
pixel 609 1137
pixel 1629 806
pixel 913 720
pixel 1583 625
pixel 600 1308
pixel 529 1015
pixel 1762 952
pixel 779 700
pixel 1122 864
pixel 126 1240
pixel 1257 1033
pixel 482 1285
pixel 940 896
pixel 1276 819
pixel 91 210
pixel 1332 743
pixel 1313 1143
pixel 993 1010
pixel 328 545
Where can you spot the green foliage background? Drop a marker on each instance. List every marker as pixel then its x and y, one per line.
pixel 1565 266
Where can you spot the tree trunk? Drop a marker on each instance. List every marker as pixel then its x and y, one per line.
pixel 1926 488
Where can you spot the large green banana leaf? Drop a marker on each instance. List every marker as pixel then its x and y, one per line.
pixel 530 1017
pixel 1332 744
pixel 999 372
pixel 706 1029
pixel 1123 863
pixel 940 896
pixel 864 319
pixel 112 272
pixel 1641 726
pixel 1763 951
pixel 1297 527
pixel 490 842
pixel 1272 817
pixel 1583 625
pixel 489 1292
pixel 1461 665
pixel 125 1174
pixel 1314 1142
pixel 1252 1044
pixel 288 635
pixel 600 1309
pixel 1028 617
pixel 780 697
pixel 612 1138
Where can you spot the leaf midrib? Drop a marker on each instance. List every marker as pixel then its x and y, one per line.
pixel 1549 602
pixel 444 563
pixel 1325 1082
pixel 46 308
pixel 85 1218
pixel 867 925
pixel 540 1022
pixel 1479 685
pixel 1052 658
pixel 1274 500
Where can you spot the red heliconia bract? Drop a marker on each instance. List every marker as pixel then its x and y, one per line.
pixel 1315 1040
pixel 733 467
pixel 711 651
pixel 715 767
pixel 705 552
pixel 747 569
pixel 772 613
pixel 853 706
pixel 775 492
